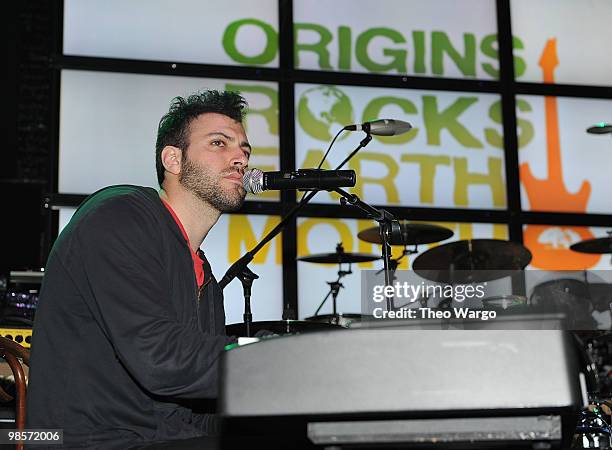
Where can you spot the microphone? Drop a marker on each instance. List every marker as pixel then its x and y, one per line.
pixel 255 181
pixel 382 127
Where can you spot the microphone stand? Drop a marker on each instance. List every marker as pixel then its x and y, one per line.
pixel 388 227
pixel 246 277
pixel 237 268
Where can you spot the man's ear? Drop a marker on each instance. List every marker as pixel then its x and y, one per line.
pixel 171 159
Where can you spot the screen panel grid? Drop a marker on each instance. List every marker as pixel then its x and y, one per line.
pixel 455 158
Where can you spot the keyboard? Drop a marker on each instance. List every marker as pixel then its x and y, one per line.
pixel 382 385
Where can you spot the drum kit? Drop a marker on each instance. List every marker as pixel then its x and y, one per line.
pixel 458 262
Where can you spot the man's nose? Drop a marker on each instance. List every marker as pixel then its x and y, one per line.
pixel 239 159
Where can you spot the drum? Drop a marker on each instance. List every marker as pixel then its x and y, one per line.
pixel 568 296
pixel 562 288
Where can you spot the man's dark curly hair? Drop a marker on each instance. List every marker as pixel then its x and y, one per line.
pixel 174 126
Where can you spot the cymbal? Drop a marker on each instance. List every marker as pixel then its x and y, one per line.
pixel 342 319
pixel 600 128
pixel 280 327
pixel 339 258
pixel 412 234
pixel 598 245
pixel 474 260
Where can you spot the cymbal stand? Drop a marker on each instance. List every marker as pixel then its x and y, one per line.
pixel 389 228
pixel 609 233
pixel 393 265
pixel 334 289
pixel 446 303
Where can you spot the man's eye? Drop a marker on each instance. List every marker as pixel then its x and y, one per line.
pixel 218 143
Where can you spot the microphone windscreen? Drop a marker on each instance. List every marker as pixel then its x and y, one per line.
pixel 402 127
pixel 252 180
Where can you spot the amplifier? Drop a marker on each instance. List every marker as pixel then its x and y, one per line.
pixel 22 336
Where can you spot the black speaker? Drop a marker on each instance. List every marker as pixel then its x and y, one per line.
pixel 23 225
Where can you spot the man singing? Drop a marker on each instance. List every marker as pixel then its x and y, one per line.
pixel 130 323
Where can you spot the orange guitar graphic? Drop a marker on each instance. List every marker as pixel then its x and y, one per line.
pixel 549 245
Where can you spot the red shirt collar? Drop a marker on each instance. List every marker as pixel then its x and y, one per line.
pixel 197 261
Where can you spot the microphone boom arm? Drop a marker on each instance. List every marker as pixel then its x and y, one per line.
pixel 237 267
pixel 388 226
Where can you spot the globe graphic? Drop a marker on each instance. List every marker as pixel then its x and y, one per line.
pixel 324 109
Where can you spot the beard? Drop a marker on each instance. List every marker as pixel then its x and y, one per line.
pixel 206 185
